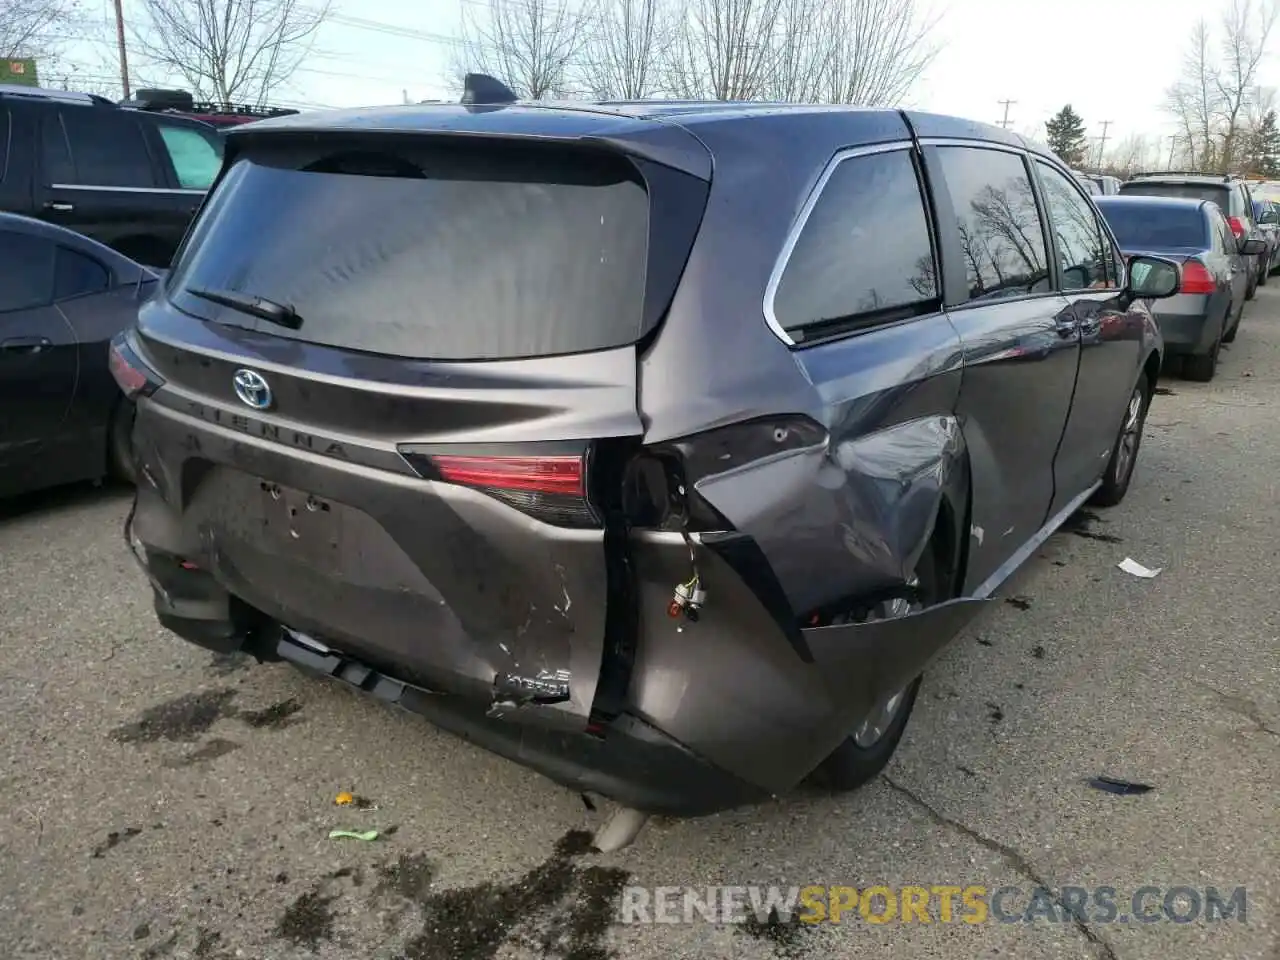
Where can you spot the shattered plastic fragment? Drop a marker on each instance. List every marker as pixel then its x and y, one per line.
pixel 1124 788
pixel 344 799
pixel 1134 568
pixel 367 836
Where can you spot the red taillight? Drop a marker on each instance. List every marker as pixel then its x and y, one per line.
pixel 1196 279
pixel 555 475
pixel 133 376
pixel 551 488
pixel 1236 227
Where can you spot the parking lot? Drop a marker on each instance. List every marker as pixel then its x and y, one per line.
pixel 161 802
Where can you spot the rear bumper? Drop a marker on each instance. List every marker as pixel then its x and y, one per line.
pixel 631 761
pixel 1187 333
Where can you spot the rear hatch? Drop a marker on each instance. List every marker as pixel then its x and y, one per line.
pixel 407 447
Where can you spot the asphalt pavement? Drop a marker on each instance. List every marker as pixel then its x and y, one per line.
pixel 159 802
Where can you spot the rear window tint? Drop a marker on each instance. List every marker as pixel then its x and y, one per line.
pixel 1153 226
pixel 429 251
pixel 5 128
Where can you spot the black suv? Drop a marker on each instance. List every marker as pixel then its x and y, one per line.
pixel 129 179
pixel 656 446
pixel 1230 193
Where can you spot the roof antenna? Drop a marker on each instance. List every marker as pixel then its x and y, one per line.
pixel 480 88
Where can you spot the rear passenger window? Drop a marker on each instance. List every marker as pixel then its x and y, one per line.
pixel 76 274
pixel 863 255
pixel 195 158
pixel 107 148
pixel 1000 235
pixel 26 272
pixel 1085 252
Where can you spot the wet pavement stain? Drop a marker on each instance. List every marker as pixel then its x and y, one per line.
pixel 274 717
pixel 1081 524
pixel 206 753
pixel 307 920
pixel 181 720
pixel 556 910
pixel 114 839
pixel 787 936
pixel 209 947
pixel 1020 603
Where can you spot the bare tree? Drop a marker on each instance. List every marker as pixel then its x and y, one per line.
pixel 881 48
pixel 530 45
pixel 31 27
pixel 620 53
pixel 803 51
pixel 1246 28
pixel 724 49
pixel 1194 99
pixel 230 50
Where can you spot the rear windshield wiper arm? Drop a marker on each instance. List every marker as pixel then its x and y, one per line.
pixel 279 314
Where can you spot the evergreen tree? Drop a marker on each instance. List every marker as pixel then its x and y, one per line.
pixel 1264 148
pixel 1066 136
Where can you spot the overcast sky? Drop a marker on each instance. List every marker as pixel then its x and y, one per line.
pixel 1111 59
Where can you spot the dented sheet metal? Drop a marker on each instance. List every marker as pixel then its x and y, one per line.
pixel 844 520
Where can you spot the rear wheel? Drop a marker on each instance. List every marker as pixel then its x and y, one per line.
pixel 1202 367
pixel 1230 335
pixel 1124 455
pixel 868 749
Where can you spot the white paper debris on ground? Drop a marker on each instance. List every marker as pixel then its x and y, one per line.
pixel 1134 568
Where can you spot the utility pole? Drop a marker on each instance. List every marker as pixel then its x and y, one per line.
pixel 124 56
pixel 1006 104
pixel 1102 142
pixel 1173 142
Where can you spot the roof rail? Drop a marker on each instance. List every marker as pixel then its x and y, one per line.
pixel 46 93
pixel 181 101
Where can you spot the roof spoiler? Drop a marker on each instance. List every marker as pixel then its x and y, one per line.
pixel 480 88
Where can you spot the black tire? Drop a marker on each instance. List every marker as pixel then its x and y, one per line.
pixel 1230 335
pixel 1253 289
pixel 851 764
pixel 120 443
pixel 1119 472
pixel 1202 366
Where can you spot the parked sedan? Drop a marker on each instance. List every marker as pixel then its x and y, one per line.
pixel 1215 271
pixel 668 485
pixel 62 298
pixel 1268 218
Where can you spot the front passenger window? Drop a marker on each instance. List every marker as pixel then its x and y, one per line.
pixel 1084 251
pixel 26 272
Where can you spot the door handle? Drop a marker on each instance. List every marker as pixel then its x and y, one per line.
pixel 25 345
pixel 60 206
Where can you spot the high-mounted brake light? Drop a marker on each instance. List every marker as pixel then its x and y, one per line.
pixel 134 377
pixel 1237 227
pixel 1196 279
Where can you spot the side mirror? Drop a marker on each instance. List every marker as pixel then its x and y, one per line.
pixel 1253 246
pixel 1153 278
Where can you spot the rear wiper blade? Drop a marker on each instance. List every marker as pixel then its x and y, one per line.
pixel 280 314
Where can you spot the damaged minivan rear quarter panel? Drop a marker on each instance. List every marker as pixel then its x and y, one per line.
pixel 756 685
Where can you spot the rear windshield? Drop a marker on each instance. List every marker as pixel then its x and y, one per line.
pixel 1187 191
pixel 1154 226
pixel 427 250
